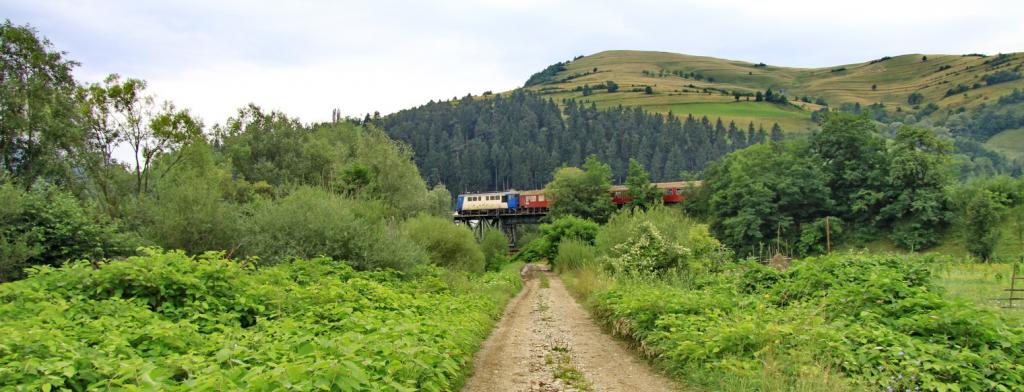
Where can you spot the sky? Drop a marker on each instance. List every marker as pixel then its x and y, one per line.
pixel 307 58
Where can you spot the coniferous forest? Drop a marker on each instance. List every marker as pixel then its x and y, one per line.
pixel 517 140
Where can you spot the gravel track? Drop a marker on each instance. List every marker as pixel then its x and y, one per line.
pixel 548 342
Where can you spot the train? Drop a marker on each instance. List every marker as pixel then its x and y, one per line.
pixel 534 201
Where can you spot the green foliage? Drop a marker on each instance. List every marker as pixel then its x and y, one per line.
pixel 642 193
pixel 547 75
pixel 915 98
pixel 647 252
pixel 763 194
pixel 166 321
pixel 552 234
pixel 189 209
pixel 582 193
pixel 520 139
pixel 981 224
pixel 876 319
pixel 918 208
pixel 312 222
pixel 446 244
pixel 356 161
pixel 37 104
pixel 670 223
pixel 612 86
pixel 574 254
pixel 779 195
pixel 47 226
pixel 494 245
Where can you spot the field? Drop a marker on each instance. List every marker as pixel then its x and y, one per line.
pixel 888 81
pixel 982 285
pixel 1009 142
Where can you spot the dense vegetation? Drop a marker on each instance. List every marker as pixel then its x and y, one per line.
pixel 849 177
pixel 839 322
pixel 518 139
pixel 167 321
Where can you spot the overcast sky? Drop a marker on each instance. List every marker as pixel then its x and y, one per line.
pixel 308 57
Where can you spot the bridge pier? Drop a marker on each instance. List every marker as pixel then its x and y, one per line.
pixel 507 221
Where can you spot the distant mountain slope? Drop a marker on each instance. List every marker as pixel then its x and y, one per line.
pixel 701 86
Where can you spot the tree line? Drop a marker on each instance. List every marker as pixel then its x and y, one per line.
pixel 262 187
pixel 519 139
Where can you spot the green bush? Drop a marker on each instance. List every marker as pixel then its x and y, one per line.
pixel 647 252
pixel 878 320
pixel 494 244
pixel 311 222
pixel 672 224
pixel 190 212
pixel 446 244
pixel 574 254
pixel 47 226
pixel 551 234
pixel 168 321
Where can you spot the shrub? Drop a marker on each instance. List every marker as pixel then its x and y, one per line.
pixel 47 226
pixel 647 251
pixel 982 215
pixel 915 98
pixel 574 254
pixel 446 244
pixel 551 234
pixel 494 245
pixel 311 222
pixel 1001 77
pixel 190 212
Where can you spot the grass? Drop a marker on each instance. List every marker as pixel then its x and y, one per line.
pixel 894 79
pixel 1009 142
pixel 981 284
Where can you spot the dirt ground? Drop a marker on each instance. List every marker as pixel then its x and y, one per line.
pixel 547 342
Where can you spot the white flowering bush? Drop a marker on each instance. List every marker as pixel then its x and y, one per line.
pixel 648 251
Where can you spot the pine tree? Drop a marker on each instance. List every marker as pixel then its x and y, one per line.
pixel 642 193
pixel 777 135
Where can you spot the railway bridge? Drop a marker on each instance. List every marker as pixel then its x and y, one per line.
pixel 508 210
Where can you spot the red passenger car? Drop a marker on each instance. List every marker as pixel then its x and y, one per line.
pixel 533 199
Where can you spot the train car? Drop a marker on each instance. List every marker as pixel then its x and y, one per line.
pixel 671 192
pixel 478 202
pixel 674 192
pixel 533 199
pixel 620 195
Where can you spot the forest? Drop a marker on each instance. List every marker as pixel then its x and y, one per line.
pixel 517 140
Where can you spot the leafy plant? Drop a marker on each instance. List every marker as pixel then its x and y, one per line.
pixel 168 321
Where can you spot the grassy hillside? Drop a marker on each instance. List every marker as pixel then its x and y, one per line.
pixel 704 85
pixel 1009 142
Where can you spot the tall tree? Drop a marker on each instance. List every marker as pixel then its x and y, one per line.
pixel 643 195
pixel 777 135
pixel 918 209
pixel 582 193
pixel 981 224
pixel 38 132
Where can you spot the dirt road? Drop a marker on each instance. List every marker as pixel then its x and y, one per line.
pixel 547 342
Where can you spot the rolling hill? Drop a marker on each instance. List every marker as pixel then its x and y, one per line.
pixel 698 85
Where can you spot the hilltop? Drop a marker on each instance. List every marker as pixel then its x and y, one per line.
pixel 699 85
